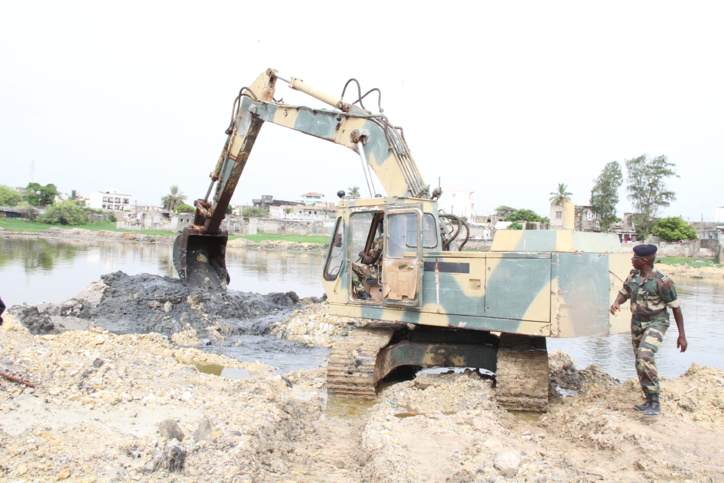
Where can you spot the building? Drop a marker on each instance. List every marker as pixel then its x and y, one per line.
pixel 267 201
pixel 312 198
pixel 302 212
pixel 459 203
pixel 110 200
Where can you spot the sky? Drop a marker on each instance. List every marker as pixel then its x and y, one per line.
pixel 506 99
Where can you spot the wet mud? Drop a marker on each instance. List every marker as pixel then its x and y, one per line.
pixel 144 303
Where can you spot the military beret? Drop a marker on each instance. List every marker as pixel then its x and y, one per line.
pixel 644 250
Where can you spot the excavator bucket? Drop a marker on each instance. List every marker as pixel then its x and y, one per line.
pixel 200 260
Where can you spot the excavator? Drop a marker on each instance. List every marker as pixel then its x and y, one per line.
pixel 431 304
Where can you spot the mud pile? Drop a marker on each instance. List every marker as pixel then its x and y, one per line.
pixel 144 303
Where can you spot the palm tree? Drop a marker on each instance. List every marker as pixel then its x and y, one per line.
pixel 558 197
pixel 353 192
pixel 173 199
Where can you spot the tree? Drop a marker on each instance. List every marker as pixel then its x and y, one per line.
pixel 184 209
pixel 254 212
pixel 515 226
pixel 646 185
pixel 41 195
pixel 674 229
pixel 527 215
pixel 9 197
pixel 604 195
pixel 173 199
pixel 504 211
pixel 65 213
pixel 558 197
pixel 353 192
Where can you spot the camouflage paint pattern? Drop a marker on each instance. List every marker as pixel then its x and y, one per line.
pixel 560 285
pixel 646 338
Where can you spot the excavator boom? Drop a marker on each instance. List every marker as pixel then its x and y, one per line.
pixel 199 252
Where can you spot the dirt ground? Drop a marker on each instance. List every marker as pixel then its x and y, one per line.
pixel 89 405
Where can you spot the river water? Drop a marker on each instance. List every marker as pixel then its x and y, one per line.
pixel 35 270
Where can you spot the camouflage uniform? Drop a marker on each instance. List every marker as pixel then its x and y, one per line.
pixel 649 321
pixel 362 271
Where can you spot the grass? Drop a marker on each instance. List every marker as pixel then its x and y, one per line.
pixel 291 238
pixel 692 262
pixel 14 224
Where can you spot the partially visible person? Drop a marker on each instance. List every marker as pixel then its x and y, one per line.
pixel 368 266
pixel 2 309
pixel 651 293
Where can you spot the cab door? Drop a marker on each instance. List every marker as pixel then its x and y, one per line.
pixel 402 257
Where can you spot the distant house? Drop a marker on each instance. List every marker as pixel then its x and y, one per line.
pixel 459 203
pixel 11 212
pixel 110 200
pixel 302 212
pixel 312 198
pixel 267 201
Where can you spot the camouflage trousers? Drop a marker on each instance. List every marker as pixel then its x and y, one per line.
pixel 360 272
pixel 646 338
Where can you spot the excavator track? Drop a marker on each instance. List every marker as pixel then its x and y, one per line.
pixel 351 366
pixel 521 379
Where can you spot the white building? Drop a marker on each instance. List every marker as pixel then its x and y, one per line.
pixel 459 203
pixel 312 198
pixel 110 200
pixel 302 212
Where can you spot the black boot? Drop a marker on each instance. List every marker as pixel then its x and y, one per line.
pixel 654 406
pixel 644 406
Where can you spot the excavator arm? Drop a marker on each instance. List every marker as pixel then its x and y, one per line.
pixel 199 253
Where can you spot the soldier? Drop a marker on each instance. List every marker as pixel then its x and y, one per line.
pixel 651 292
pixel 369 266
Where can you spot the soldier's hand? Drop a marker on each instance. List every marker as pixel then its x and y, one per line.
pixel 614 308
pixel 681 344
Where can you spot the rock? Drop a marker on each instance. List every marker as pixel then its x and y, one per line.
pixel 507 462
pixel 63 475
pixel 171 458
pixel 170 429
pixel 205 429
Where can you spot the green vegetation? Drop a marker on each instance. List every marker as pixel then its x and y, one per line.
pixel 20 225
pixel 9 197
pixel 692 262
pixel 41 195
pixel 560 195
pixel 66 213
pixel 173 199
pixel 185 209
pixel 254 212
pixel 291 238
pixel 646 185
pixel 604 195
pixel 674 229
pixel 527 215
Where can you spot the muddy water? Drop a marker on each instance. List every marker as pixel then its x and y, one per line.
pixel 35 270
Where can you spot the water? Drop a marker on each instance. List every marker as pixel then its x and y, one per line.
pixel 35 270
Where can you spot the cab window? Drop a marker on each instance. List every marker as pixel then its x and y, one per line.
pixel 336 252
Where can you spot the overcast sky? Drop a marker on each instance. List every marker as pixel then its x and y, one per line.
pixel 506 99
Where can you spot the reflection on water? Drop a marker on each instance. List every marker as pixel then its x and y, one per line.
pixel 35 270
